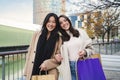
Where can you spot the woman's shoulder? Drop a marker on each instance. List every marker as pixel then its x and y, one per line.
pixel 59 33
pixel 81 30
pixel 39 31
pixel 36 34
pixel 83 33
pixel 60 37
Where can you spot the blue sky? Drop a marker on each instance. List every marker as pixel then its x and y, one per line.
pixel 16 10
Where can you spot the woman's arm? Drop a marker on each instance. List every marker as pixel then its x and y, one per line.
pixel 88 48
pixel 55 60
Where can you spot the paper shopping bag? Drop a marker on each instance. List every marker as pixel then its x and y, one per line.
pixel 90 69
pixel 43 77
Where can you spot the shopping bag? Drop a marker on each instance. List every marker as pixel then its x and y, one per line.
pixel 96 55
pixel 43 77
pixel 90 69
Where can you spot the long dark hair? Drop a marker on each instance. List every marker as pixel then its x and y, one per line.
pixel 45 48
pixel 65 36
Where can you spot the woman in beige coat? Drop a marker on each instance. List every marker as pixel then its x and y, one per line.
pixel 76 44
pixel 44 54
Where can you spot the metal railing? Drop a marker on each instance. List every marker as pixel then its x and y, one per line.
pixel 111 48
pixel 13 48
pixel 13 58
pixel 12 63
pixel 110 55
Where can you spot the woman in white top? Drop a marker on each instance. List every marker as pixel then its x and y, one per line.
pixel 76 44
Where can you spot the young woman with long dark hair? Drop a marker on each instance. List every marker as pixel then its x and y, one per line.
pixel 76 45
pixel 44 51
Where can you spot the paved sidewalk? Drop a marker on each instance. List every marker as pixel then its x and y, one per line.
pixel 112 75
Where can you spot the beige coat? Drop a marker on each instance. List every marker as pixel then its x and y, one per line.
pixel 31 55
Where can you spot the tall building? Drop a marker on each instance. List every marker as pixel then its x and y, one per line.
pixel 42 7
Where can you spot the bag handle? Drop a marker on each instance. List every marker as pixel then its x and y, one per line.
pixel 92 56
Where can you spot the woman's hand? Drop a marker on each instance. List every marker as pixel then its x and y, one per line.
pixel 43 67
pixel 58 57
pixel 82 54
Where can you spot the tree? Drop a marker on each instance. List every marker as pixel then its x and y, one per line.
pixel 87 6
pixel 93 24
pixel 110 15
pixel 108 20
pixel 111 18
pixel 102 23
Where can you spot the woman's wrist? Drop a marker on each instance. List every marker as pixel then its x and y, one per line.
pixel 85 55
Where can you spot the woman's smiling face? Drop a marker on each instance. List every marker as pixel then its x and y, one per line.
pixel 64 23
pixel 51 24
